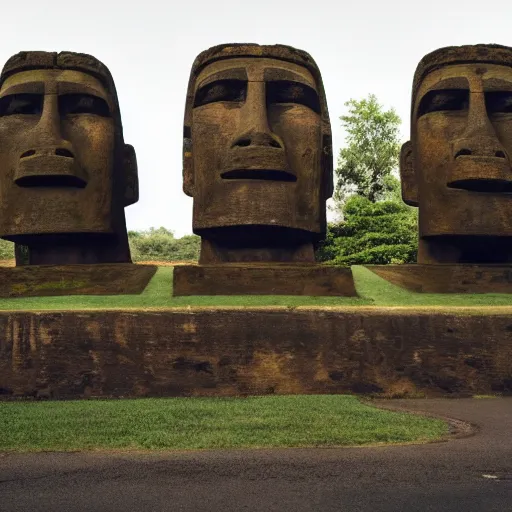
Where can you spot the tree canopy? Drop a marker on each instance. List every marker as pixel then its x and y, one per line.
pixel 371 152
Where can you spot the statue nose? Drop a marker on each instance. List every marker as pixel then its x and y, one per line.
pixel 49 166
pixel 254 129
pixel 480 147
pixel 58 151
pixel 479 138
pixel 481 165
pixel 260 139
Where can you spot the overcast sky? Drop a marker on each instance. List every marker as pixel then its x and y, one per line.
pixel 360 46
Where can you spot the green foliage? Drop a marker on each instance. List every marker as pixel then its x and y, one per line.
pixel 372 150
pixel 6 250
pixel 154 244
pixel 377 227
pixel 160 245
pixel 372 233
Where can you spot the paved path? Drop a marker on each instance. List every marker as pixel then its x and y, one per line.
pixel 438 477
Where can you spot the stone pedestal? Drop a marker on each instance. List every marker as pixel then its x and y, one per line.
pixel 448 278
pixel 263 279
pixel 100 279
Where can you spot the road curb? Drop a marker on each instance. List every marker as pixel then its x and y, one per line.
pixel 459 429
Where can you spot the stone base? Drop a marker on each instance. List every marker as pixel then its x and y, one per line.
pixel 49 280
pixel 241 351
pixel 448 278
pixel 261 279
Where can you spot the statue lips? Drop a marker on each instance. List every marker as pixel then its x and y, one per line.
pixel 257 163
pixel 481 174
pixel 49 170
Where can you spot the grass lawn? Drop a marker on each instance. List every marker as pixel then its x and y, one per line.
pixel 383 293
pixel 372 289
pixel 202 423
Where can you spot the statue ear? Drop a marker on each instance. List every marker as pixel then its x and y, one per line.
pixel 408 175
pixel 327 165
pixel 131 191
pixel 188 163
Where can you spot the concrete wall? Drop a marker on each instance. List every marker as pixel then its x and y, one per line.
pixel 229 351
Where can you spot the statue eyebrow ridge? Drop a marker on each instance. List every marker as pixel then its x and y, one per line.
pixel 225 74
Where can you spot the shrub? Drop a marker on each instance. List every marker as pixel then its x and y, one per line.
pixel 160 245
pixel 371 233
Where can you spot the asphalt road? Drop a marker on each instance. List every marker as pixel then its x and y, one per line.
pixel 464 474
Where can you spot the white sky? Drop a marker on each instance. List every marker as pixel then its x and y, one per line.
pixel 361 47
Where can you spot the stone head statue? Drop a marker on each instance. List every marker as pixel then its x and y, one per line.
pixel 257 153
pixel 456 168
pixel 65 172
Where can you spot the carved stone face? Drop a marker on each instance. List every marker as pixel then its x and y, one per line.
pixel 57 149
pixel 457 168
pixel 256 146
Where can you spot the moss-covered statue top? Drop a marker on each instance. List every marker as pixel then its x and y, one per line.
pixel 257 153
pixel 456 167
pixel 65 172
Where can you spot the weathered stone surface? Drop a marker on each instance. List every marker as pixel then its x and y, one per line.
pixel 65 172
pixel 230 351
pixel 456 168
pixel 270 279
pixel 48 280
pixel 257 153
pixel 448 278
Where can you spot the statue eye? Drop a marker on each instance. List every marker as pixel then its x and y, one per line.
pixel 83 104
pixel 439 101
pixel 221 90
pixel 284 91
pixel 498 102
pixel 21 104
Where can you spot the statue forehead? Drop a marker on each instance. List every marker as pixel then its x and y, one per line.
pixel 476 74
pixel 255 67
pixel 53 76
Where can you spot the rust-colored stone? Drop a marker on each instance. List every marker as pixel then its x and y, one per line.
pixel 448 278
pixel 456 168
pixel 254 279
pixel 66 173
pixel 100 279
pixel 257 153
pixel 257 159
pixel 230 351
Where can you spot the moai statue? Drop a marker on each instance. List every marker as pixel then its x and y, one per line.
pixel 257 159
pixel 456 167
pixel 257 153
pixel 66 174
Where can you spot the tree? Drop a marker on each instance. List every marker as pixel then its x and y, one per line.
pixel 377 227
pixel 371 153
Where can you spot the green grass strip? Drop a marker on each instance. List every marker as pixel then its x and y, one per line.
pixel 372 290
pixel 206 423
pixel 382 293
pixel 158 293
